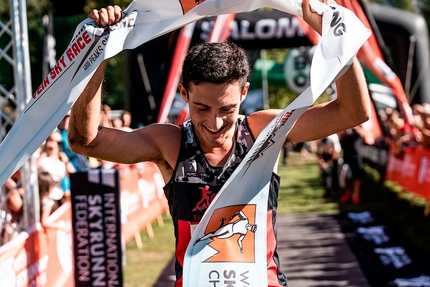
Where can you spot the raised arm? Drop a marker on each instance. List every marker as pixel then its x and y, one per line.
pixel 85 114
pixel 158 143
pixel 351 108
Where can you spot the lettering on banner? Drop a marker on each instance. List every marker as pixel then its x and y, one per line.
pixel 339 27
pixel 103 34
pixel 394 164
pixel 228 278
pixel 263 29
pixel 97 239
pixel 424 171
pixel 76 47
pixel 268 141
pixel 79 44
pixel 95 53
pixel 408 167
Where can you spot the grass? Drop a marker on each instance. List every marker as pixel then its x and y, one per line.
pixel 300 192
pixel 143 266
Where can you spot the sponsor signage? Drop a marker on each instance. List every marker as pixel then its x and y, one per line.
pixel 96 228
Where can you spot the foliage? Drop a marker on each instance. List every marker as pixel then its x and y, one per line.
pixel 66 19
pixel 424 7
pixel 96 4
pixel 35 11
pixel 279 97
pixel 35 8
pixel 404 4
pixel 401 4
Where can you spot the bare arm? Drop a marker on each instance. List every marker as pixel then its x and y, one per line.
pixel 351 108
pixel 85 114
pixel 158 143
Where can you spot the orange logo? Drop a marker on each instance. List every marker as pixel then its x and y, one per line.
pixel 231 232
pixel 187 5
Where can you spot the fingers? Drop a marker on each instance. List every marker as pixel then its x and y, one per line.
pixel 329 2
pixel 106 16
pixel 311 17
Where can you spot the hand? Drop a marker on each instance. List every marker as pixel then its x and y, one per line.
pixel 10 184
pixel 313 18
pixel 106 16
pixel 63 157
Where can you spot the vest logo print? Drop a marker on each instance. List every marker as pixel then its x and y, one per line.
pixel 231 234
pixel 205 201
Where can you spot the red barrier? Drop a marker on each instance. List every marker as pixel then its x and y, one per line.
pixel 142 197
pixel 43 256
pixel 38 256
pixel 410 168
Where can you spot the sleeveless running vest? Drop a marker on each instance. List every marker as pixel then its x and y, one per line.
pixel 195 183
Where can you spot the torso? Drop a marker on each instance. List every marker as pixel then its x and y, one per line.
pixel 195 182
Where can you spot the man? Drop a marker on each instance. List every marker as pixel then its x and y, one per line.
pixel 198 157
pixel 79 162
pixel 352 142
pixel 327 151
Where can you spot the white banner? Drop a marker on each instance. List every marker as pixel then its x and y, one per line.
pixel 235 251
pixel 143 21
pixel 90 45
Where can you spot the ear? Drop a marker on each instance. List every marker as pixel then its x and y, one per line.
pixel 244 92
pixel 183 92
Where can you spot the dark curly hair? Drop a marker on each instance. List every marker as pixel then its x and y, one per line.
pixel 215 63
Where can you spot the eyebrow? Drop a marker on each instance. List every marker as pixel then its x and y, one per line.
pixel 223 107
pixel 200 104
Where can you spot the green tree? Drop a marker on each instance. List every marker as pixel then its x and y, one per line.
pixel 405 5
pixel 35 11
pixel 424 8
pixel 67 15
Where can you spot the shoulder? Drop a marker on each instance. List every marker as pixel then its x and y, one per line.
pixel 164 140
pixel 161 134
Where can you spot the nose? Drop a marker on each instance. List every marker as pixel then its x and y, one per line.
pixel 216 123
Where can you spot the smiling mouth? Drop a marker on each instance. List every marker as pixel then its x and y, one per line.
pixel 214 131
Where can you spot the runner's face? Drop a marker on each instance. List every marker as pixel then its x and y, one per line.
pixel 214 109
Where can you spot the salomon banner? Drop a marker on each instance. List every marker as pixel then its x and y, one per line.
pixel 96 227
pixel 236 250
pixel 259 30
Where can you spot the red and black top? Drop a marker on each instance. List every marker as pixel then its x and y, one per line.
pixel 195 183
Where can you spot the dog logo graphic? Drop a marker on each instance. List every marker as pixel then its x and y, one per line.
pixel 232 238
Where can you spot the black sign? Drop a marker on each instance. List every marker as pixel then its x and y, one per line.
pixel 96 222
pixel 259 30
